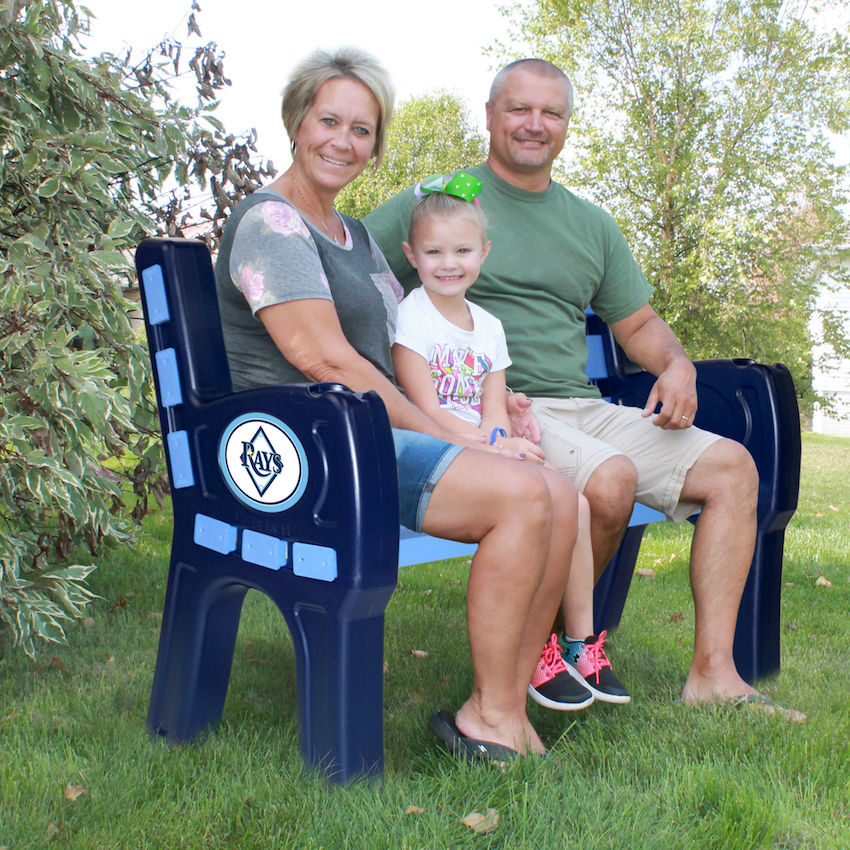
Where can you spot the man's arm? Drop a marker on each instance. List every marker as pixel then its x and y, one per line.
pixel 650 342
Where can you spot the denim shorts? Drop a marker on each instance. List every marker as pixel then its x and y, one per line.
pixel 421 460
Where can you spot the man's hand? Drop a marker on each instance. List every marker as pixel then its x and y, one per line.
pixel 523 422
pixel 676 390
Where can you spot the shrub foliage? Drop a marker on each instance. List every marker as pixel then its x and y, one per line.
pixel 86 149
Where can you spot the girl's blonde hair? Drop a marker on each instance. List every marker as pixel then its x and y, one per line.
pixel 439 205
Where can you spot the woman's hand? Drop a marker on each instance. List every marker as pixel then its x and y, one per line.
pixel 522 447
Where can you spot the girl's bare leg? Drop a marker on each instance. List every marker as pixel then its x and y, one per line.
pixel 577 605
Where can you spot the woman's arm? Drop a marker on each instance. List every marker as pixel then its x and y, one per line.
pixel 308 334
pixel 412 372
pixel 414 375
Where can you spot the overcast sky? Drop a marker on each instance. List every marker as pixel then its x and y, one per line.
pixel 262 40
pixel 425 46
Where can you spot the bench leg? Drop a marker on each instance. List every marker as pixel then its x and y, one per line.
pixel 340 690
pixel 609 595
pixel 196 643
pixel 757 635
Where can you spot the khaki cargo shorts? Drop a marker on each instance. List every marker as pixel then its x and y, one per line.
pixel 578 434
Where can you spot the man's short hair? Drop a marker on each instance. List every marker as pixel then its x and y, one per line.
pixel 540 67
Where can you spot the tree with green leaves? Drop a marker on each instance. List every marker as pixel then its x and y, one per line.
pixel 429 134
pixel 95 154
pixel 704 127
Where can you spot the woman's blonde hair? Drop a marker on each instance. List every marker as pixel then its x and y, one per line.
pixel 347 63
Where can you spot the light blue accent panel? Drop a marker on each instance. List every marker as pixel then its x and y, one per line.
pixel 181 459
pixel 595 367
pixel 311 561
pixel 214 534
pixel 155 295
pixel 414 548
pixel 264 550
pixel 169 377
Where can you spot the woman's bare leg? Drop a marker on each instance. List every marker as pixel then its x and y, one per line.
pixel 516 581
pixel 565 526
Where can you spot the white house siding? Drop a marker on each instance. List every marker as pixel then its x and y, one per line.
pixel 834 380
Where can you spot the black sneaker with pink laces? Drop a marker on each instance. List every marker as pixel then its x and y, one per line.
pixel 587 661
pixel 553 685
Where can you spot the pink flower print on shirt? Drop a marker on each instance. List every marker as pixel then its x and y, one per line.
pixel 458 374
pixel 283 219
pixel 387 280
pixel 252 285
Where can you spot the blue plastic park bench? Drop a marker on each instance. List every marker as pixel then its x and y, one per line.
pixel 292 491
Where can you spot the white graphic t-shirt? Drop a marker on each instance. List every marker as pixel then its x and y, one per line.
pixel 459 359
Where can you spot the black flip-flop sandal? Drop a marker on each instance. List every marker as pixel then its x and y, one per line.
pixel 471 749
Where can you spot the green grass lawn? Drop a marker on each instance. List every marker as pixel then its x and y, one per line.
pixel 77 768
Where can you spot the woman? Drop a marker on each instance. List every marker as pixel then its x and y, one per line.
pixel 306 296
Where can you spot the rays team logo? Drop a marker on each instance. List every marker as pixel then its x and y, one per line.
pixel 263 462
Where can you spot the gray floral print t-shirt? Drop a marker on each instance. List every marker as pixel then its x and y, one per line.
pixel 270 255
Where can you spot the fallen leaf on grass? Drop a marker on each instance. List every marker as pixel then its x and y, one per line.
pixel 414 810
pixel 73 792
pixel 673 557
pixel 833 508
pixel 677 617
pixel 645 572
pixel 428 592
pixel 792 626
pixel 418 653
pixel 386 668
pixel 88 622
pixel 482 823
pixel 823 581
pixel 53 829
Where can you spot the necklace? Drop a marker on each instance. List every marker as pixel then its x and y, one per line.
pixel 309 207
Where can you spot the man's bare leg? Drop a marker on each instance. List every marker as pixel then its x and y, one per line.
pixel 515 581
pixel 725 482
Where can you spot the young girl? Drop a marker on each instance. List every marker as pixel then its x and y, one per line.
pixel 450 358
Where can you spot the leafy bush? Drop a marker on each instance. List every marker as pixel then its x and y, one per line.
pixel 86 146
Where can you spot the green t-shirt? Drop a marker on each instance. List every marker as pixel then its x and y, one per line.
pixel 553 255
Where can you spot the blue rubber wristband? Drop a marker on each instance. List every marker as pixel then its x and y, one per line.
pixel 497 432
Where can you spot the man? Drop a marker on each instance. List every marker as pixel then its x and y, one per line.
pixel 553 255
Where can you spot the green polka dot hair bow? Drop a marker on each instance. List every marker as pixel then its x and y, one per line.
pixel 460 184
